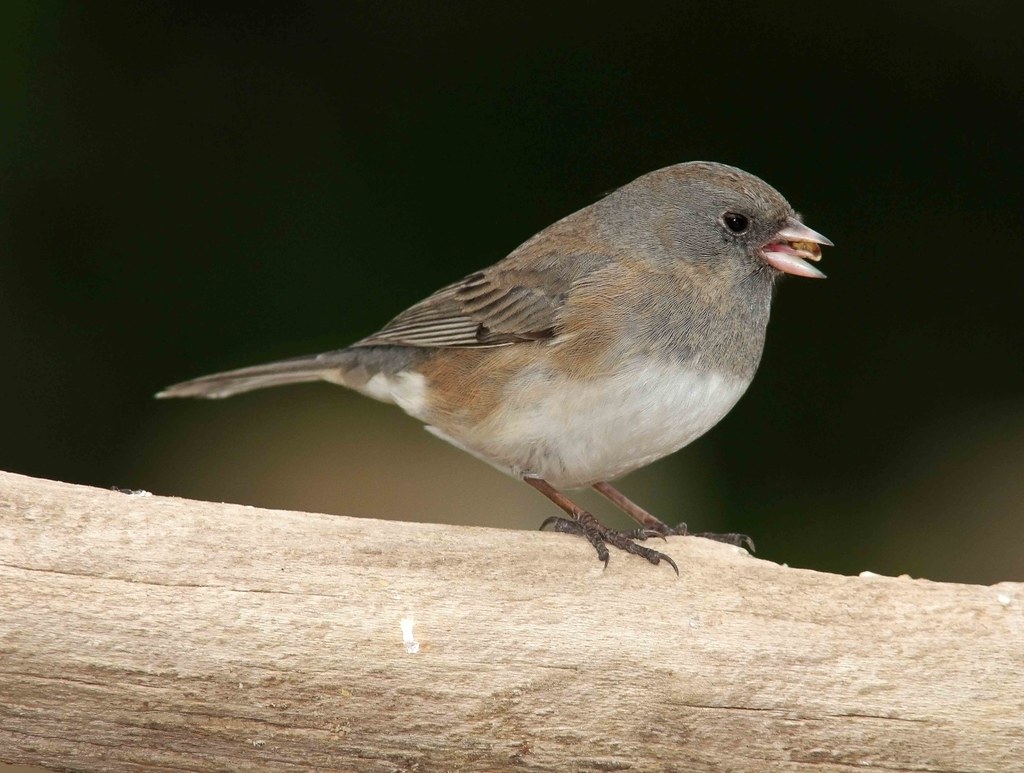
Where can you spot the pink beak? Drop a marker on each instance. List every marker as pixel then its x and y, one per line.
pixel 792 247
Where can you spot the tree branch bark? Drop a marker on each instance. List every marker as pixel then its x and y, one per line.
pixel 141 632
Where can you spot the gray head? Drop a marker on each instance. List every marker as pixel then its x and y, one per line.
pixel 713 215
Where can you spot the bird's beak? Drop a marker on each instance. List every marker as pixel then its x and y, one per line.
pixel 792 247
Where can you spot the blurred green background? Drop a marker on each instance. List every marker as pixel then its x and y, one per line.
pixel 189 187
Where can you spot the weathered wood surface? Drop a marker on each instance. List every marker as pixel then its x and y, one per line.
pixel 142 632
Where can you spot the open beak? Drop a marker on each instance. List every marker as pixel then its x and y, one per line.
pixel 792 247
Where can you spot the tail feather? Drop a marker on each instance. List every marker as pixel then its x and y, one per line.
pixel 329 366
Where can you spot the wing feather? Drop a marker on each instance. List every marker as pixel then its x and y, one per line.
pixel 485 309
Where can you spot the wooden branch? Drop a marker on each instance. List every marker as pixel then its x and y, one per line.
pixel 141 632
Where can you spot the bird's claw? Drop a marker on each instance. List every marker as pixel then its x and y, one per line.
pixel 600 537
pixel 680 530
pixel 739 540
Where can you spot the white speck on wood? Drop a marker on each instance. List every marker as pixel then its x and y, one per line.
pixel 411 645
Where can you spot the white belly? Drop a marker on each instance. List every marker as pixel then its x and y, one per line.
pixel 574 433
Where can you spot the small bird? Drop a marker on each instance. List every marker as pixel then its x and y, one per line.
pixel 608 340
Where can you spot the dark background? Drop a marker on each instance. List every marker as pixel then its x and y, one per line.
pixel 192 187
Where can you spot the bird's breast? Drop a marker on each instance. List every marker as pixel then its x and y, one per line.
pixel 575 432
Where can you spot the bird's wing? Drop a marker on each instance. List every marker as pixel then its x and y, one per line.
pixel 493 307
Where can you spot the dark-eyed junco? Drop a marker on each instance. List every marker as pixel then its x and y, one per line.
pixel 608 340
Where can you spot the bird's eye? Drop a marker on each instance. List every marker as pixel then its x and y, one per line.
pixel 736 222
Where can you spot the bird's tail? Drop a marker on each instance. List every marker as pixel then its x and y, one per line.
pixel 330 366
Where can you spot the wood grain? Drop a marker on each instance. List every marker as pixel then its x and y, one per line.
pixel 146 633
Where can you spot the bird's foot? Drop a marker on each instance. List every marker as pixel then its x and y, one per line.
pixel 601 536
pixel 655 527
pixel 739 540
pixel 680 530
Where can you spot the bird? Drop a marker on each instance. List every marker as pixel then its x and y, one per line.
pixel 608 340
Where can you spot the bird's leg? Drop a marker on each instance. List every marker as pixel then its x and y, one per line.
pixel 637 513
pixel 582 522
pixel 651 526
